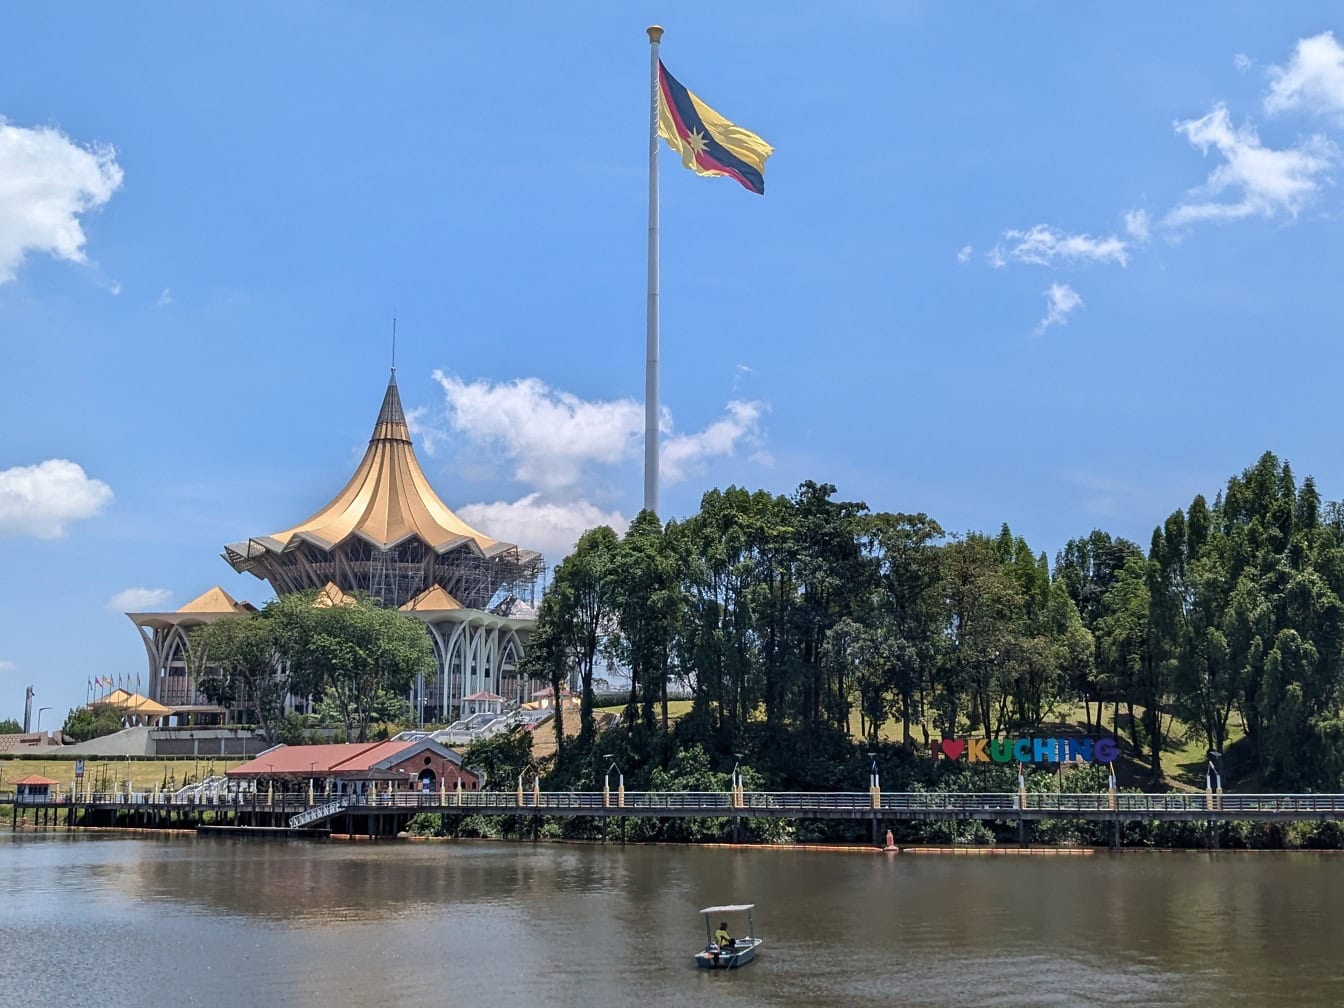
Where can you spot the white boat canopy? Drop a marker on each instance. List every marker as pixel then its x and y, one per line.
pixel 734 907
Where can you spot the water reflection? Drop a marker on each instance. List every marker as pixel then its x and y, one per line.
pixel 160 921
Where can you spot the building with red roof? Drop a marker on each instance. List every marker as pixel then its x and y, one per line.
pixel 355 767
pixel 34 787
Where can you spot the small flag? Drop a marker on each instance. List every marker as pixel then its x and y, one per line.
pixel 707 142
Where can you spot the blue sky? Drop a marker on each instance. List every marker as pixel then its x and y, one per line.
pixel 1058 265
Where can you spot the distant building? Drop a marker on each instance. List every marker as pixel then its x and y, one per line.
pixel 388 535
pixel 358 767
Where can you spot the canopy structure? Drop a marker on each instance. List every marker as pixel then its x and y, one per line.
pixel 730 908
pixel 388 534
pixel 133 705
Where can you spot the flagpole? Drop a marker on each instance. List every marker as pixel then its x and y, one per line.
pixel 651 333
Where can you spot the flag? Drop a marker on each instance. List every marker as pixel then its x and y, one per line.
pixel 707 142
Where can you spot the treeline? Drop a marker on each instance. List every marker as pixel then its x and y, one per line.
pixel 800 621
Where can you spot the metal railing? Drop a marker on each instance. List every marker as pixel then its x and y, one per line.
pixel 715 803
pixel 317 812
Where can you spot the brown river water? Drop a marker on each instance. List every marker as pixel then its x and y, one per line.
pixel 113 920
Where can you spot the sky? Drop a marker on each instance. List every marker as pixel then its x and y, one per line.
pixel 1057 265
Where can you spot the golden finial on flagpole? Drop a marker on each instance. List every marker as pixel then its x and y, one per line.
pixel 655 33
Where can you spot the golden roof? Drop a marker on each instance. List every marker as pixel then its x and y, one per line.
pixel 432 599
pixel 386 501
pixel 216 600
pixel 329 596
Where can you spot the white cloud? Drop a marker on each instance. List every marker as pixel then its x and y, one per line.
pixel 995 257
pixel 964 253
pixel 553 439
pixel 139 600
pixel 1242 62
pixel 1061 300
pixel 686 453
pixel 1137 224
pixel 549 526
pixel 1045 246
pixel 7 666
pixel 48 181
pixel 1313 80
pixel 40 500
pixel 165 298
pixel 1264 182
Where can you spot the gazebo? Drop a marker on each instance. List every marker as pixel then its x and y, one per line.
pixel 136 709
pixel 34 787
pixel 482 703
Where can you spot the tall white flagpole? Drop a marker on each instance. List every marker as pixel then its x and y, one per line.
pixel 651 334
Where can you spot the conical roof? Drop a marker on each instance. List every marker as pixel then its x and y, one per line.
pixel 386 501
pixel 215 600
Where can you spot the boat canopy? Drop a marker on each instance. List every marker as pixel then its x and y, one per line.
pixel 731 908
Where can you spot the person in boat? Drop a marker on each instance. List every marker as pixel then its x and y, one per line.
pixel 723 939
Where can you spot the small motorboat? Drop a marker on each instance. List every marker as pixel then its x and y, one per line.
pixel 729 953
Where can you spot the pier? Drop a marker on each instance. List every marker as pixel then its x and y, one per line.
pixel 387 813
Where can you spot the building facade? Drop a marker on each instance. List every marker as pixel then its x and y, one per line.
pixel 389 536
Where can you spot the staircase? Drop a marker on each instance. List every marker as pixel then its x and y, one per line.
pixel 319 812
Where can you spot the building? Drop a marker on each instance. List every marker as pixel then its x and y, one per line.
pixel 359 767
pixel 388 535
pixel 34 787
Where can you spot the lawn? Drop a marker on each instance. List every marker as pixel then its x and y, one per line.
pixel 146 774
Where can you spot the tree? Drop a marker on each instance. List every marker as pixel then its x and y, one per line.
pixel 84 723
pixel 354 653
pixel 10 727
pixel 240 661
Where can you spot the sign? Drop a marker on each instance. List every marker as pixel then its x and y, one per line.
pixel 79 769
pixel 1027 750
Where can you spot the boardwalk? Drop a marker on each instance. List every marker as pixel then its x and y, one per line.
pixel 386 814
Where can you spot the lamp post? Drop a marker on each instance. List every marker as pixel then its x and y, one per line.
pixel 606 782
pixel 737 781
pixel 39 718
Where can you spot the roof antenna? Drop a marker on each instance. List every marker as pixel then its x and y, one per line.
pixel 394 345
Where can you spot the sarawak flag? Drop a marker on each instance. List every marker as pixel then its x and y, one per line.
pixel 707 142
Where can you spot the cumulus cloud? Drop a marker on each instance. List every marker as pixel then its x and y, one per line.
pixel 1046 246
pixel 1313 80
pixel 40 500
pixel 964 253
pixel 165 298
pixel 684 454
pixel 553 439
pixel 139 600
pixel 48 182
pixel 1137 224
pixel 1262 181
pixel 553 527
pixel 1061 300
pixel 1242 62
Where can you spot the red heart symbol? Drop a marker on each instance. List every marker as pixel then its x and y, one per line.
pixel 953 748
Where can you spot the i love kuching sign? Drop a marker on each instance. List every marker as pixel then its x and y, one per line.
pixel 1027 750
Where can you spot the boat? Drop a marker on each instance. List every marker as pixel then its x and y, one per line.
pixel 740 952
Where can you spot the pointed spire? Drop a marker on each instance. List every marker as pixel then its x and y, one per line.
pixel 391 425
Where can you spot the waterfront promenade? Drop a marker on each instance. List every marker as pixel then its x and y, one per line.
pixel 387 813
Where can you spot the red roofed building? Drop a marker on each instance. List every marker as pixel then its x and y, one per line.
pixel 356 767
pixel 34 788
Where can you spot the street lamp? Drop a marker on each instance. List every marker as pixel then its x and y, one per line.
pixel 39 718
pixel 737 780
pixel 606 782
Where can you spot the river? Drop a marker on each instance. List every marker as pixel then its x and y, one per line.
pixel 113 920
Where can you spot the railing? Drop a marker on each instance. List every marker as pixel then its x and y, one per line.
pixel 719 803
pixel 331 808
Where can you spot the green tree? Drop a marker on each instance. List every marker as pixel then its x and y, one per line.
pixel 353 654
pixel 84 723
pixel 10 727
pixel 239 661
